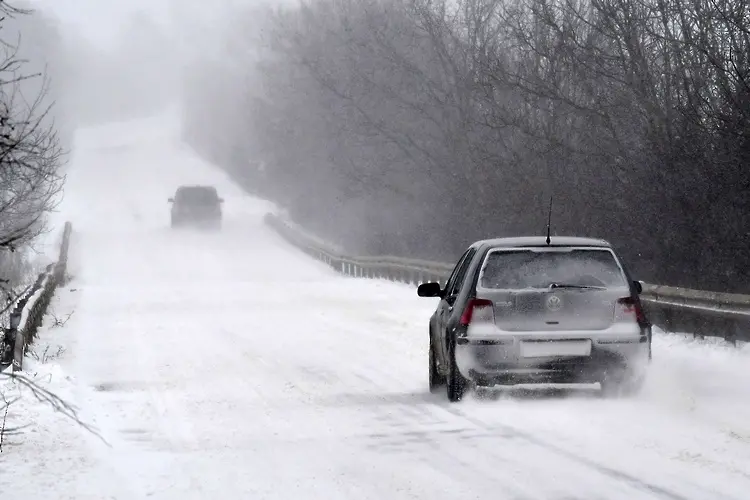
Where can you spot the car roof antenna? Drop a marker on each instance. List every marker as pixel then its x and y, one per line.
pixel 549 221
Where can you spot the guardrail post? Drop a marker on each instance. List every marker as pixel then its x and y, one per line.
pixel 19 349
pixel 730 333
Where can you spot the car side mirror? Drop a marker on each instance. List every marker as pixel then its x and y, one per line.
pixel 430 290
pixel 638 287
pixel 170 200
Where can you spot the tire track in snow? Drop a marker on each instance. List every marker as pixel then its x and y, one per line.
pixel 410 413
pixel 412 423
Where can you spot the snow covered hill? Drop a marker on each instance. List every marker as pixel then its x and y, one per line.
pixel 229 365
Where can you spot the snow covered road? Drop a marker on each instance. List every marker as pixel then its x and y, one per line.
pixel 230 365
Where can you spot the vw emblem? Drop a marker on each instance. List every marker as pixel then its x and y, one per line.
pixel 554 303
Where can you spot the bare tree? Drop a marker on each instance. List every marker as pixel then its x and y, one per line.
pixel 30 153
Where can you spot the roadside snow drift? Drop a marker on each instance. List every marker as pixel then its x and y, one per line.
pixel 228 365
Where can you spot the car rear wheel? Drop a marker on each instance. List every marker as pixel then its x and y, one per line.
pixel 437 381
pixel 455 383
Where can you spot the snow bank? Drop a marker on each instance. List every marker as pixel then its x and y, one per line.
pixel 45 454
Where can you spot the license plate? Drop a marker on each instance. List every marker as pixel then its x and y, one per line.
pixel 555 348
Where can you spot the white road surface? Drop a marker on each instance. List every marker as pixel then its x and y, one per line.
pixel 229 365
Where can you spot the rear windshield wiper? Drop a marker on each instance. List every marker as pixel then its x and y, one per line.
pixel 579 287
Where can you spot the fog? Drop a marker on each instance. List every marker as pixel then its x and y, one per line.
pixel 223 360
pixel 69 64
pixel 117 60
pixel 414 128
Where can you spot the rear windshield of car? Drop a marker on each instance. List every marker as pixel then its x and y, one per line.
pixel 197 195
pixel 521 269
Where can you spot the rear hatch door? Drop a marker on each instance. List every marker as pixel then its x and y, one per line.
pixel 553 288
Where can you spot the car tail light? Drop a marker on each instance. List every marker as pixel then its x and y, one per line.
pixel 478 311
pixel 630 308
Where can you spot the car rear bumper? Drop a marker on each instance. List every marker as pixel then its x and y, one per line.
pixel 528 357
pixel 197 219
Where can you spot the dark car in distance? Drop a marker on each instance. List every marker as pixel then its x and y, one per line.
pixel 525 310
pixel 197 206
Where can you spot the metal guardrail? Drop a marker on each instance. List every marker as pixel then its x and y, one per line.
pixel 701 313
pixel 410 271
pixel 684 310
pixel 28 313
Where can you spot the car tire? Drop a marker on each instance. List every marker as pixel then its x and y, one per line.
pixel 436 380
pixel 455 382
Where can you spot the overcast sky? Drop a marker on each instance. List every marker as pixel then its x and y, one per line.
pixel 101 19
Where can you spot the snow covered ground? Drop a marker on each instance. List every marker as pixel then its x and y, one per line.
pixel 229 365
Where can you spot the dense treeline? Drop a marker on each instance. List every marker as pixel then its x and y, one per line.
pixel 414 127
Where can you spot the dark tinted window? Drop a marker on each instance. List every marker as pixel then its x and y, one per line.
pixel 455 286
pixel 518 269
pixel 197 194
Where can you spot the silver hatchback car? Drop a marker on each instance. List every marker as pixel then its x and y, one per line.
pixel 524 310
